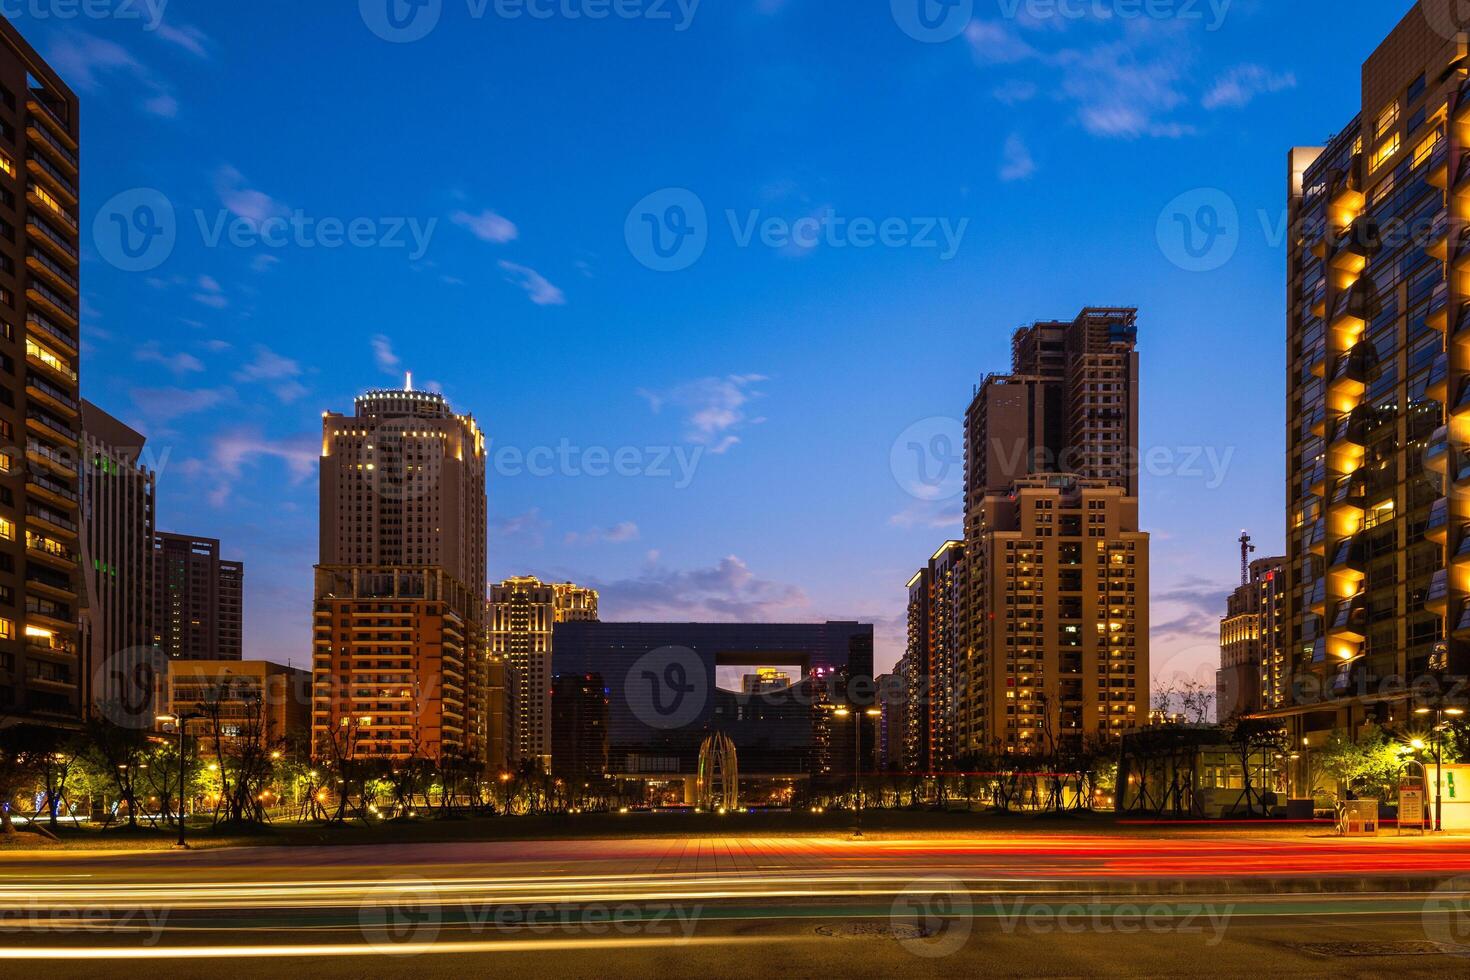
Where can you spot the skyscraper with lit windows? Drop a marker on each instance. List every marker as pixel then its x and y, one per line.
pixel 399 660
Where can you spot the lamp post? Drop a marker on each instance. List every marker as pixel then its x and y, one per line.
pixel 178 723
pixel 857 761
pixel 1439 710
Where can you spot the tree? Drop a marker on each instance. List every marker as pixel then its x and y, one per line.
pixel 1256 738
pixel 1368 766
pixel 26 760
pixel 117 754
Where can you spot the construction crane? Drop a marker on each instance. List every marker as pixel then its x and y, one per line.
pixel 1245 557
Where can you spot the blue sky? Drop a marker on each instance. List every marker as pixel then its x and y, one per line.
pixel 782 366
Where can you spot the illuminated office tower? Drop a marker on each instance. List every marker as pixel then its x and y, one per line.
pixel 523 612
pixel 1252 674
pixel 399 662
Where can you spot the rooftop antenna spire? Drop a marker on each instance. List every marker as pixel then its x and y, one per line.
pixel 408 381
pixel 1245 557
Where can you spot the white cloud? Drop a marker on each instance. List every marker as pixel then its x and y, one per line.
pixel 90 64
pixel 726 592
pixel 487 226
pixel 179 363
pixel 715 409
pixel 210 293
pixel 387 361
pixel 1017 163
pixel 541 291
pixel 1241 84
pixel 997 43
pixel 617 534
pixel 1125 88
pixel 162 104
pixel 267 366
pixel 528 524
pixel 233 451
pixel 165 404
pixel 245 202
pixel 191 39
pixel 930 514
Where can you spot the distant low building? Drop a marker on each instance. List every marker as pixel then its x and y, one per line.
pixel 246 698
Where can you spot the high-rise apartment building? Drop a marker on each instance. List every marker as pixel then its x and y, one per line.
pixel 40 408
pixel 1059 653
pixel 117 549
pixel 934 657
pixel 198 599
pixel 1253 670
pixel 523 612
pixel 1378 387
pixel 1069 405
pixel 399 662
pixel 1054 612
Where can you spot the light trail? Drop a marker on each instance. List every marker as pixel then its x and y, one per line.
pixel 115 953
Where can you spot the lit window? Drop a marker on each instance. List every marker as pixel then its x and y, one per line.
pixel 7 529
pixel 1387 119
pixel 1384 152
pixel 1425 148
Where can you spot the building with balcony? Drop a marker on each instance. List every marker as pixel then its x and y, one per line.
pixel 1054 616
pixel 1061 652
pixel 1253 671
pixel 119 500
pixel 1378 392
pixel 524 612
pixel 198 599
pixel 934 657
pixel 398 653
pixel 41 673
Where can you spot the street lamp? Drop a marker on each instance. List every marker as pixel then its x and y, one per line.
pixel 857 767
pixel 1438 710
pixel 178 723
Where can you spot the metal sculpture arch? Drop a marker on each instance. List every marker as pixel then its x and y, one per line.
pixel 718 753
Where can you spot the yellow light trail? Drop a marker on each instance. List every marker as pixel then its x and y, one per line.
pixel 380 949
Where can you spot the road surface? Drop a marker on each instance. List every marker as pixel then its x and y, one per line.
pixel 1043 905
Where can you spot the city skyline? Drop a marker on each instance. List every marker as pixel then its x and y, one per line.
pixel 694 360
